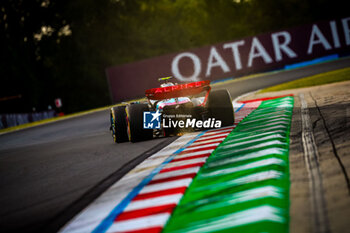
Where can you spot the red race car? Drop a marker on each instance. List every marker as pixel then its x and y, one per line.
pixel 172 109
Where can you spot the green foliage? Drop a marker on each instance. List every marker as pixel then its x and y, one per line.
pixel 105 33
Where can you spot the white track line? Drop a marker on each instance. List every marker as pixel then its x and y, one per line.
pixel 201 147
pixel 139 223
pixel 185 162
pixel 176 173
pixel 151 202
pixel 168 185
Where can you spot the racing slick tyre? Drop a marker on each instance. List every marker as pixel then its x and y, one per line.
pixel 220 107
pixel 118 124
pixel 134 119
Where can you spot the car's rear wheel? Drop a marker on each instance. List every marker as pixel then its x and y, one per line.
pixel 220 107
pixel 134 119
pixel 118 124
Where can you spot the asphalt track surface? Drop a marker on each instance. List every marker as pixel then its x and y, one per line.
pixel 48 173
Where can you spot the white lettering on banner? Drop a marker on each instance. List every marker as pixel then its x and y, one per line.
pixel 261 52
pixel 196 67
pixel 319 40
pixel 235 52
pixel 335 34
pixel 346 29
pixel 279 47
pixel 214 55
pixel 283 47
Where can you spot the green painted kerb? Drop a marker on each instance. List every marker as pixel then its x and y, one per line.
pixel 244 185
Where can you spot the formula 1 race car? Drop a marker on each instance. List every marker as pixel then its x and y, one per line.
pixel 184 107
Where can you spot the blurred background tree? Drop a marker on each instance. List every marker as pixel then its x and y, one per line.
pixel 61 48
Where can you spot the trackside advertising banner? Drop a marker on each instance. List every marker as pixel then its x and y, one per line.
pixel 233 58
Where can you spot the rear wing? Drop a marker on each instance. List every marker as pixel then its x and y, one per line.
pixel 180 90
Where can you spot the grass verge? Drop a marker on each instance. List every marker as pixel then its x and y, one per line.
pixel 319 79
